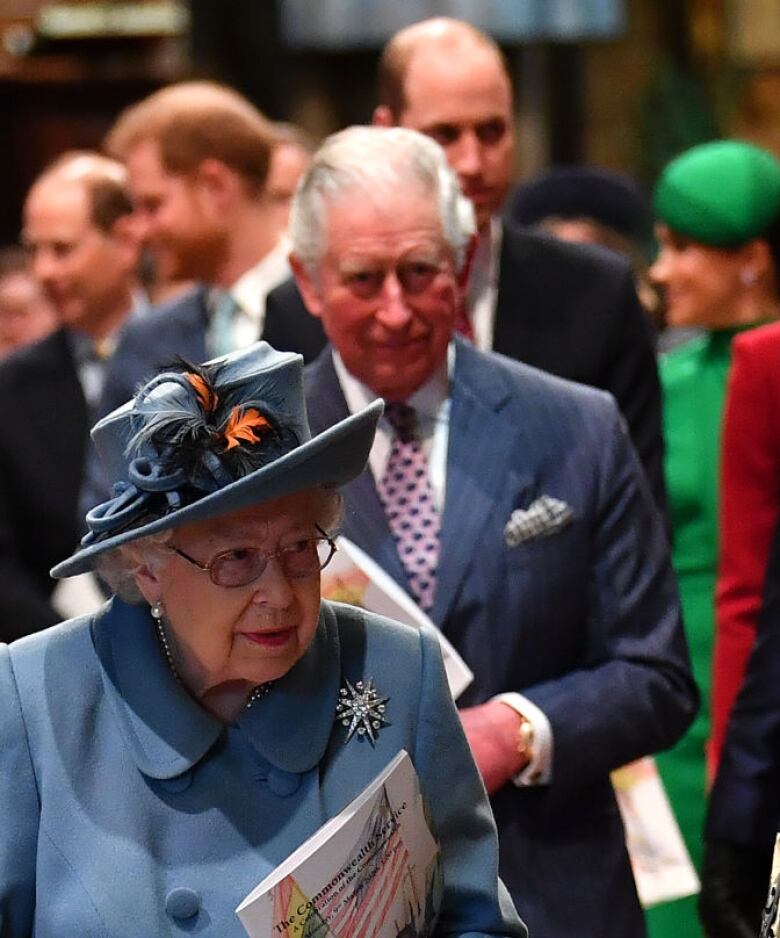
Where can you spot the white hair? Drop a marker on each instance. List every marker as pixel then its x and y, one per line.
pixel 377 162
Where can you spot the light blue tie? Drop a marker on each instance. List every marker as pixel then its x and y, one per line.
pixel 221 335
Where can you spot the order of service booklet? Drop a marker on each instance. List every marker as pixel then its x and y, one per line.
pixel 355 578
pixel 662 867
pixel 372 871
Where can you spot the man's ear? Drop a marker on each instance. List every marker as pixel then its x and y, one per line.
pixel 218 183
pixel 128 236
pixel 307 286
pixel 383 116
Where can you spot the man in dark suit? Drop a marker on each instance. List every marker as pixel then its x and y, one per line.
pixel 83 250
pixel 511 505
pixel 197 156
pixel 570 310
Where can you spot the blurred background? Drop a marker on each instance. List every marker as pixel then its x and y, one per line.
pixel 624 84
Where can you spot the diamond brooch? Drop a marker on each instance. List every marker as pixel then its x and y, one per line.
pixel 361 710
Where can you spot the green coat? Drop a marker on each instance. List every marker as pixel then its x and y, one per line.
pixel 693 383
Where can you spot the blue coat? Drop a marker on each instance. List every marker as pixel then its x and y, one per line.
pixel 586 622
pixel 128 810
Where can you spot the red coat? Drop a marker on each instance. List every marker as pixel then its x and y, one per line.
pixel 749 510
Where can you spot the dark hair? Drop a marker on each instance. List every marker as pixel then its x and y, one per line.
pixel 772 237
pixel 194 121
pixel 104 182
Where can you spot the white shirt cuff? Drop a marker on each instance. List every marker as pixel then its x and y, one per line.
pixel 539 769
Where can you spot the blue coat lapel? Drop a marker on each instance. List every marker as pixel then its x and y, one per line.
pixel 167 732
pixel 479 467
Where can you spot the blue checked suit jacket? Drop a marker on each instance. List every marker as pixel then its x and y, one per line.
pixel 586 623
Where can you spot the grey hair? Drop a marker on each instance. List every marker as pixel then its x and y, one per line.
pixel 376 160
pixel 117 568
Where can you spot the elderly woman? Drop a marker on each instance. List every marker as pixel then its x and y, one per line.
pixel 718 211
pixel 159 759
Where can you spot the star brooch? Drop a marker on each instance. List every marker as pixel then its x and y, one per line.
pixel 361 710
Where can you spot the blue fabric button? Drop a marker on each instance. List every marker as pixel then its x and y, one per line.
pixel 178 783
pixel 283 783
pixel 182 902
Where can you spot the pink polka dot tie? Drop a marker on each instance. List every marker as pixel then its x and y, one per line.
pixel 407 497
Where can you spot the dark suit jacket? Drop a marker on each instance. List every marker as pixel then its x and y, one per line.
pixel 43 435
pixel 572 310
pixel 745 802
pixel 178 328
pixel 585 623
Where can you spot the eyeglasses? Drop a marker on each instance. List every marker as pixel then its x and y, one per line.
pixel 241 566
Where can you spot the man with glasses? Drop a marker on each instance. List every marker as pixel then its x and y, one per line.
pixel 511 506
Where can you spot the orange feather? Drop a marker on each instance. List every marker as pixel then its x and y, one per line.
pixel 242 426
pixel 207 399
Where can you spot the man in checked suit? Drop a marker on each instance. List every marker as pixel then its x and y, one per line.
pixel 515 512
pixel 567 309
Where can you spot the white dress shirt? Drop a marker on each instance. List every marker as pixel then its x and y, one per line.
pixel 432 405
pixel 250 292
pixel 483 286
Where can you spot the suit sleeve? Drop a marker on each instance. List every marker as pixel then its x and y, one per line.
pixel 24 600
pixel 126 369
pixel 475 900
pixel 631 376
pixel 745 804
pixel 19 813
pixel 634 694
pixel 749 510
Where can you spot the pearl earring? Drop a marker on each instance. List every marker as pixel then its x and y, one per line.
pixel 157 612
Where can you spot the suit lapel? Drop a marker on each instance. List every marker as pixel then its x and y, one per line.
pixel 479 463
pixel 517 305
pixel 364 517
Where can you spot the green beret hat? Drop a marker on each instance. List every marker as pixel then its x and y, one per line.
pixel 722 194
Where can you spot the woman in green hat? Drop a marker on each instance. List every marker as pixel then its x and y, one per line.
pixel 718 212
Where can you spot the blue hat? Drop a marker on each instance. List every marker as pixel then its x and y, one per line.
pixel 614 199
pixel 211 439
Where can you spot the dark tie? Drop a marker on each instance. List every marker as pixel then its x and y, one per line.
pixel 406 494
pixel 463 323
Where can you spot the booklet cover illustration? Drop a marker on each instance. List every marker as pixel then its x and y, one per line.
pixel 373 871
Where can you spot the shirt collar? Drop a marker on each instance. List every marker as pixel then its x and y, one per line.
pixel 85 348
pixel 167 732
pixel 252 287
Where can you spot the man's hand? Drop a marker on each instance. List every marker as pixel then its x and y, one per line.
pixel 492 730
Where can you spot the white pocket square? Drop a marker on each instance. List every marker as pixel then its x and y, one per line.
pixel 545 516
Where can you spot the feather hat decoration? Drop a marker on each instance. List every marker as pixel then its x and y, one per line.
pixel 202 432
pixel 198 442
